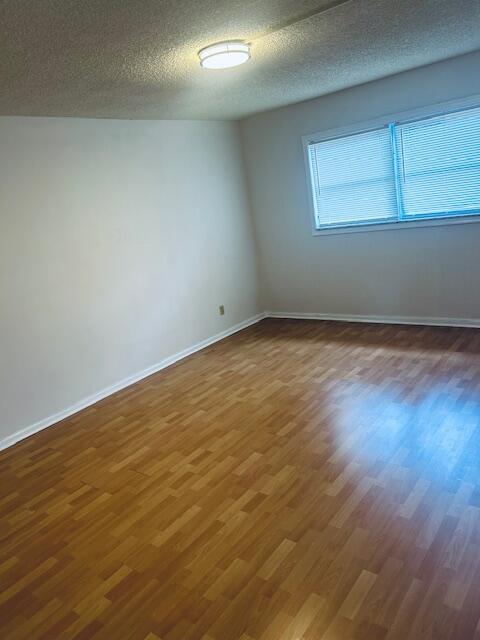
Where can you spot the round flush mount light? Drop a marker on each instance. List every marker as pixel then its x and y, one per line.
pixel 223 55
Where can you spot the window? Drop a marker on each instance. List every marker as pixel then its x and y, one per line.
pixel 401 171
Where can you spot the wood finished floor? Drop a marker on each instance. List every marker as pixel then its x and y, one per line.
pixel 297 481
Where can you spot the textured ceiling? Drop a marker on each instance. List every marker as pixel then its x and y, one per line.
pixel 137 58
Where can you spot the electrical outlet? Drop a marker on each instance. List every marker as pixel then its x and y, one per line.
pixel 221 309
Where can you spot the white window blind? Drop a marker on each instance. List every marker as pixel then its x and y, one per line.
pixel 353 179
pixel 439 164
pixel 407 170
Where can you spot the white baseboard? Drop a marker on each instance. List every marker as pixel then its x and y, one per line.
pixel 87 402
pixel 435 322
pixel 126 382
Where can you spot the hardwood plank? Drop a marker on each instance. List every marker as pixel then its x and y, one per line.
pixel 298 480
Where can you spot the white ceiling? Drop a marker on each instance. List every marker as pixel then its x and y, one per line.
pixel 137 58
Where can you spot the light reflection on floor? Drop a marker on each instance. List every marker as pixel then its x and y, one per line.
pixel 428 431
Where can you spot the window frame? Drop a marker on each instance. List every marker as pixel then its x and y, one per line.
pixel 398 118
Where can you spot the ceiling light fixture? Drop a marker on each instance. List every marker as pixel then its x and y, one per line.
pixel 223 55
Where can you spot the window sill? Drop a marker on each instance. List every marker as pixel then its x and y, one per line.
pixel 405 224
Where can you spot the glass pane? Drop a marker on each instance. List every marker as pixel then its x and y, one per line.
pixel 439 161
pixel 353 179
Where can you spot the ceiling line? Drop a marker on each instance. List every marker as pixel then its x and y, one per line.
pixel 300 18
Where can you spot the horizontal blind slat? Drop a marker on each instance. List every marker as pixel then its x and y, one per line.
pixel 439 159
pixel 353 179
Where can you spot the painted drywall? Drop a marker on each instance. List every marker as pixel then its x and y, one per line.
pixel 432 272
pixel 118 242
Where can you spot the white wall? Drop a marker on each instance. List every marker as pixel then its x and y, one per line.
pixel 118 241
pixel 430 272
